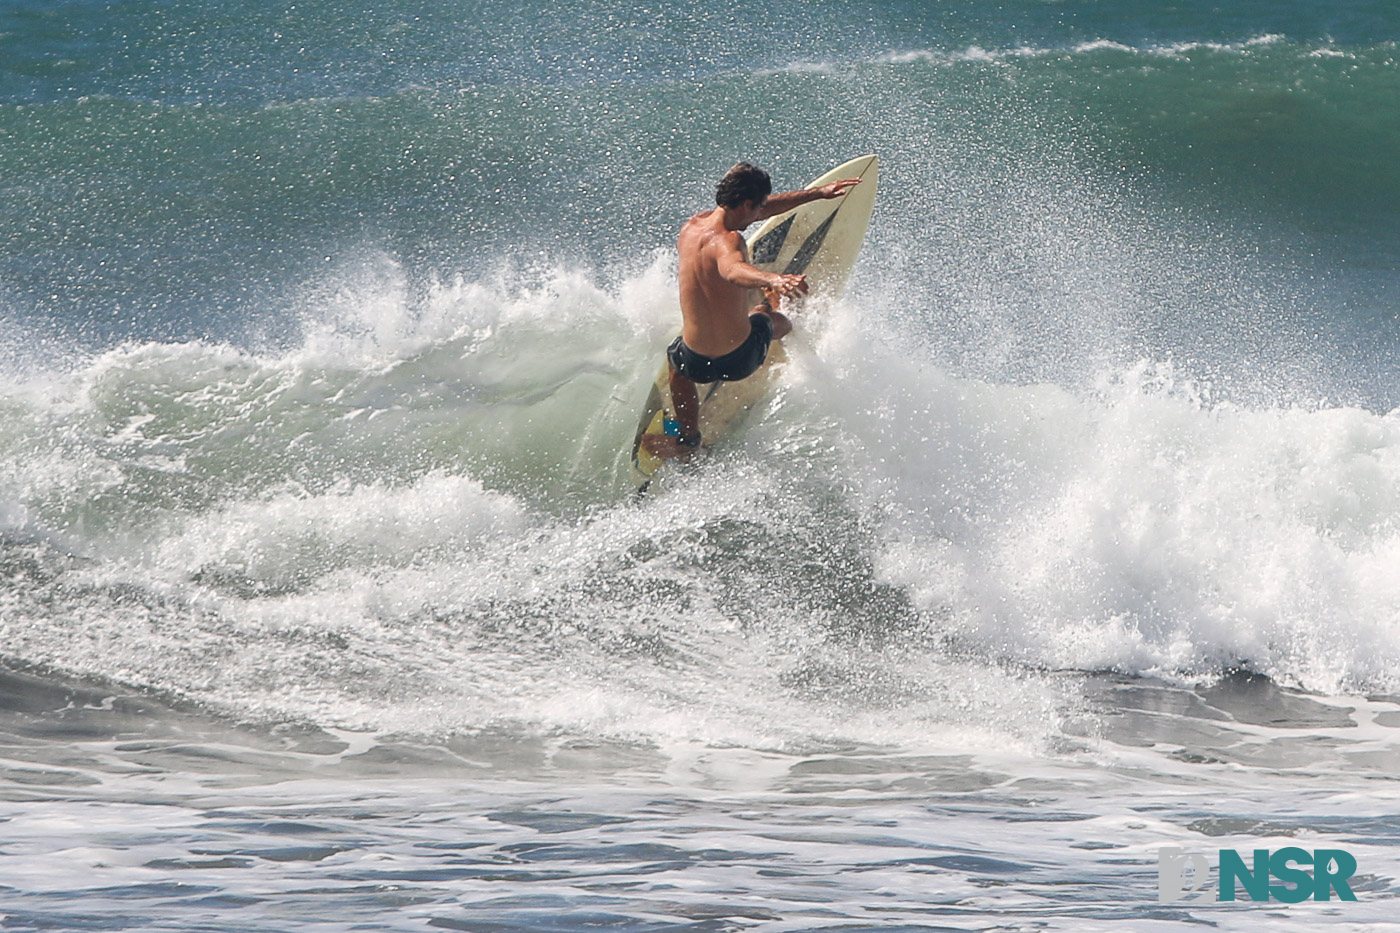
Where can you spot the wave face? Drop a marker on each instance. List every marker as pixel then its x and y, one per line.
pixel 422 522
pixel 321 351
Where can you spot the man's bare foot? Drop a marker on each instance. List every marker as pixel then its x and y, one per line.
pixel 666 447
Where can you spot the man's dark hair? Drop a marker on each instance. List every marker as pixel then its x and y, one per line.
pixel 743 182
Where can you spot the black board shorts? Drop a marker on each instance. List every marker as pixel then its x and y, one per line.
pixel 739 363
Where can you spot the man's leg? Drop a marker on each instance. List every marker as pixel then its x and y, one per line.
pixel 686 399
pixel 782 325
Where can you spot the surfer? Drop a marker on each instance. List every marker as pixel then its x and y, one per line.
pixel 720 339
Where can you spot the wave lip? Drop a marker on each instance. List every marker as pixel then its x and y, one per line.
pixel 993 55
pixel 1089 49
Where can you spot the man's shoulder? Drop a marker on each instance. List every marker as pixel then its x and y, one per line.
pixel 697 222
pixel 701 230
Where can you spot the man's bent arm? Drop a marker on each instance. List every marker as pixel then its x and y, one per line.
pixel 734 269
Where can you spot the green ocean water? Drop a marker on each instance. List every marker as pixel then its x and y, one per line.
pixel 173 171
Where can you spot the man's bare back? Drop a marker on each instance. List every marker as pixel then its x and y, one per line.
pixel 715 276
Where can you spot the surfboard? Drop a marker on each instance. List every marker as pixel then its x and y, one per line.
pixel 821 239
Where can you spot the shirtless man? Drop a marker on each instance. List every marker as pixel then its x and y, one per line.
pixel 720 338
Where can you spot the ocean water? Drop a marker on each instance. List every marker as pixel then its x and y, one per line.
pixel 1072 532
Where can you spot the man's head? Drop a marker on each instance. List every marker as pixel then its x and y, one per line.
pixel 743 184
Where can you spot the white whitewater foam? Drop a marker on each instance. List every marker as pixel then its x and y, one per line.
pixel 1132 525
pixel 1136 527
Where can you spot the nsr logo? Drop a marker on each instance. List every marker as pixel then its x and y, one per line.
pixel 1176 868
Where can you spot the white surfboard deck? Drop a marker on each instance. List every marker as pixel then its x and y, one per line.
pixel 820 239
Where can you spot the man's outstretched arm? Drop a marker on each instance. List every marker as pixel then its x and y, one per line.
pixel 787 200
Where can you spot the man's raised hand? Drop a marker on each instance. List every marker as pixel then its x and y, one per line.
pixel 838 188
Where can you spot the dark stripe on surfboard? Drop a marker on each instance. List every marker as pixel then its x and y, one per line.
pixel 798 264
pixel 771 243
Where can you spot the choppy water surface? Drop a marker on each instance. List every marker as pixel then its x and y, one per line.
pixel 123 813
